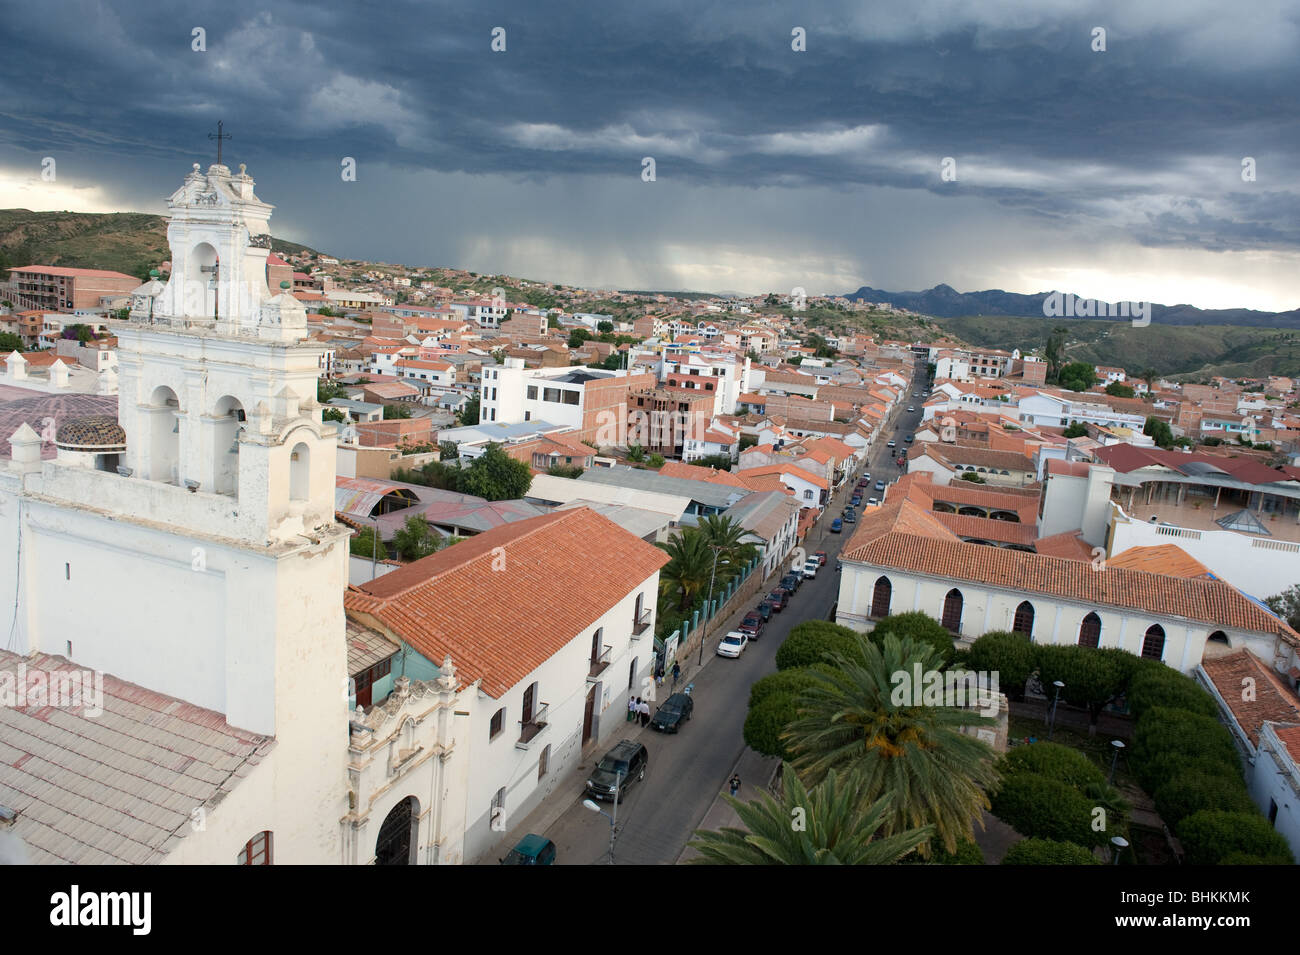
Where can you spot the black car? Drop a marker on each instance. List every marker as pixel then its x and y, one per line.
pixel 791 582
pixel 618 770
pixel 675 711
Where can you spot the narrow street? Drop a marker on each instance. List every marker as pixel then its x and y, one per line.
pixel 687 770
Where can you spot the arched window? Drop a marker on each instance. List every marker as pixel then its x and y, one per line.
pixel 880 598
pixel 1090 631
pixel 164 436
pixel 1023 622
pixel 300 472
pixel 1153 647
pixel 1219 637
pixel 397 836
pixel 257 850
pixel 952 605
pixel 226 423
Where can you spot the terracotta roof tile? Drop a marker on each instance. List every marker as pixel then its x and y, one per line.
pixel 1161 559
pixel 1272 701
pixel 503 602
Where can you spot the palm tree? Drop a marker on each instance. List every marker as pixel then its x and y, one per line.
pixel 849 721
pixel 727 535
pixel 689 566
pixel 1149 375
pixel 830 825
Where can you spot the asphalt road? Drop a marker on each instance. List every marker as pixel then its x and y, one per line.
pixel 686 771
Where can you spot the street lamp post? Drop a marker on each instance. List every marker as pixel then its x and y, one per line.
pixel 613 820
pixel 704 632
pixel 1120 844
pixel 1118 744
pixel 1051 723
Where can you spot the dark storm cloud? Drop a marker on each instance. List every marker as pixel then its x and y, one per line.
pixel 1144 140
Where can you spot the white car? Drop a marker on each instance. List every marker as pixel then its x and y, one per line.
pixel 873 502
pixel 733 644
pixel 810 568
pixel 910 408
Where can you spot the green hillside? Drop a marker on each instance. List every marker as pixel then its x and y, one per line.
pixel 1187 352
pixel 130 242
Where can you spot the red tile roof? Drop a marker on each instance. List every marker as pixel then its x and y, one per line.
pixel 1161 559
pixel 985 528
pixel 1271 700
pixel 503 602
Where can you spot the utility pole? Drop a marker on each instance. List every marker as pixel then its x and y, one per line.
pixel 613 823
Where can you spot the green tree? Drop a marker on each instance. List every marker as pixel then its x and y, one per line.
pixel 689 567
pixel 918 626
pixel 727 536
pixel 1076 430
pixel 603 326
pixel 416 539
pixel 1117 389
pixel 1047 808
pixel 1168 741
pixel 578 336
pixel 973 478
pixel 1210 835
pixel 1053 352
pixel 1010 654
pixel 327 391
pixel 1092 677
pixel 470 413
pixel 566 470
pixel 766 722
pixel 1054 761
pixel 1159 431
pixel 333 414
pixel 839 824
pixel 396 411
pixel 1048 852
pixel 1286 604
pixel 9 342
pixel 720 462
pixel 817 642
pixel 936 774
pixel 792 681
pixel 1149 375
pixel 326 312
pixel 365 543
pixel 1078 376
pixel 1155 684
pixel 1193 791
pixel 448 451
pixel 495 476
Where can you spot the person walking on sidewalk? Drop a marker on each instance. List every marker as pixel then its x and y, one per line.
pixel 645 713
pixel 734 784
pixel 633 703
pixel 677 673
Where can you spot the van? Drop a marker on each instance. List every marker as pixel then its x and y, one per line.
pixel 532 849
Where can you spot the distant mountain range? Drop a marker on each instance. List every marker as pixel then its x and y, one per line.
pixel 944 301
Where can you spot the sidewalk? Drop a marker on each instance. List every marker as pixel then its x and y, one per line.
pixel 756 772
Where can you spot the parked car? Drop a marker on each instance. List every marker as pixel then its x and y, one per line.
pixel 910 438
pixel 850 516
pixel 733 644
pixel 910 408
pixel 532 849
pixel 674 711
pixel 752 624
pixel 779 598
pixel 791 581
pixel 916 394
pixel 618 770
pixel 880 485
pixel 892 444
pixel 836 526
pixel 873 502
pixel 765 610
pixel 810 568
pixel 855 500
pixel 821 557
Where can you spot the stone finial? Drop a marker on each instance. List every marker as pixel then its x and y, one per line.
pixel 26 445
pixel 243 169
pixel 196 168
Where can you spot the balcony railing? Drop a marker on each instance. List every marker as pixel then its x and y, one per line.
pixel 641 624
pixel 530 729
pixel 599 664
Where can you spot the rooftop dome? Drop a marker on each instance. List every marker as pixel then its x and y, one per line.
pixel 96 432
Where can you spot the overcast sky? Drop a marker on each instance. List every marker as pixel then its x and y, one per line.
pixel 1114 174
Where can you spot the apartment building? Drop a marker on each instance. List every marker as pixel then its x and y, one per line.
pixel 55 288
pixel 584 399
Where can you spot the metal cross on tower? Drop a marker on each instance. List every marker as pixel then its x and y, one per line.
pixel 219 136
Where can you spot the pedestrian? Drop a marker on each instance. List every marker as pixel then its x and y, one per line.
pixel 645 713
pixel 633 704
pixel 677 673
pixel 735 783
pixel 659 673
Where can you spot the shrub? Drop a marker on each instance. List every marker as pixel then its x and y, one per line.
pixel 1190 792
pixel 1035 805
pixel 1245 858
pixel 793 681
pixel 767 721
pixel 1048 852
pixel 1092 677
pixel 1163 733
pixel 968 853
pixel 1154 684
pixel 1010 654
pixel 920 627
pixel 1210 835
pixel 817 641
pixel 1053 761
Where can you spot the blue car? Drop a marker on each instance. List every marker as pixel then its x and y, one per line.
pixel 837 525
